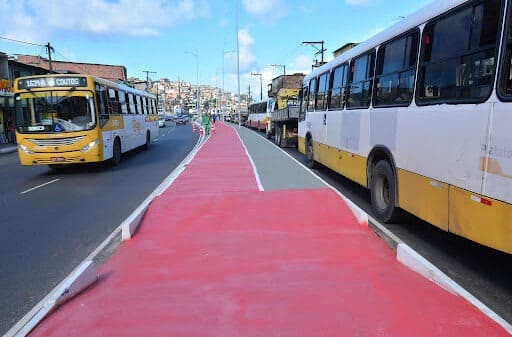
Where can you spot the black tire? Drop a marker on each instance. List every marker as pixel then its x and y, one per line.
pixel 277 137
pixel 116 152
pixel 383 192
pixel 148 140
pixel 310 156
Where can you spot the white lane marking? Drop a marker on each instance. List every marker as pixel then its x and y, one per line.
pixel 254 168
pixel 39 186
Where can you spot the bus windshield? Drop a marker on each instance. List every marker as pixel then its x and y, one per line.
pixel 54 111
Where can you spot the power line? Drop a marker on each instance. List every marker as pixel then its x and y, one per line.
pixel 25 42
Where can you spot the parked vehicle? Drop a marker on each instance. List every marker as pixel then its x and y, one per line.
pixel 161 121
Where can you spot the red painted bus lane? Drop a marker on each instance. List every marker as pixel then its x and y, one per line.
pixel 216 257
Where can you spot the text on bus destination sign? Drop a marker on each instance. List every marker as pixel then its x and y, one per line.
pixel 52 82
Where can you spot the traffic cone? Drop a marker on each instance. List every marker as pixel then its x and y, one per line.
pixel 212 129
pixel 193 127
pixel 201 131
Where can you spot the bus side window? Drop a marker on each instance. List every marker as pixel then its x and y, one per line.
pixel 505 84
pixel 302 110
pixel 396 68
pixel 321 97
pixel 101 103
pixel 361 69
pixel 312 94
pixel 457 61
pixel 122 102
pixel 131 104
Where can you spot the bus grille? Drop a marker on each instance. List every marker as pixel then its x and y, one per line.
pixel 56 141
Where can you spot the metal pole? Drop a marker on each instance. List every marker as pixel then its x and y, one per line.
pixel 238 64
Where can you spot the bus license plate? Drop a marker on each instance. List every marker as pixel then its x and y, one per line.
pixel 57 159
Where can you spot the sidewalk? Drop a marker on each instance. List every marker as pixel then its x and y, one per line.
pixel 215 256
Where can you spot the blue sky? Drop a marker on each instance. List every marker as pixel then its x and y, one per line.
pixel 155 34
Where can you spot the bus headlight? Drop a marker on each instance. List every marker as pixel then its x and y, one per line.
pixel 89 146
pixel 25 149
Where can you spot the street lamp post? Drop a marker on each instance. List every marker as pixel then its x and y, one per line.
pixel 195 54
pixel 261 84
pixel 224 52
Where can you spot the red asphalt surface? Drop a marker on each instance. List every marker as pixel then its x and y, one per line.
pixel 216 257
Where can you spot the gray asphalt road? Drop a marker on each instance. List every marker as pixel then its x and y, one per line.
pixel 46 232
pixel 484 272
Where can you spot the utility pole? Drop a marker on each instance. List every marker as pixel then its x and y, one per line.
pixel 261 84
pixel 249 97
pixel 319 51
pixel 49 48
pixel 281 66
pixel 196 55
pixel 147 77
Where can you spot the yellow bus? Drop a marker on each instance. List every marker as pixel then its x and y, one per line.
pixel 420 115
pixel 73 119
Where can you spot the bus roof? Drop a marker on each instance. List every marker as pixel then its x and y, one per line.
pixel 100 80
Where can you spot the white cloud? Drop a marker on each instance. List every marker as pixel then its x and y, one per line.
pixel 247 58
pixel 357 2
pixel 99 17
pixel 265 8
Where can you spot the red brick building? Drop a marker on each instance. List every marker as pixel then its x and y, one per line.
pixel 109 72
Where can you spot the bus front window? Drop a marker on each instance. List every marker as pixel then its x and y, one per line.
pixel 54 112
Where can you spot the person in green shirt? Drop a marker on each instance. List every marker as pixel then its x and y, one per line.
pixel 205 122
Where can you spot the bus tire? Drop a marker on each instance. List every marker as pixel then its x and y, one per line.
pixel 116 152
pixel 383 192
pixel 148 140
pixel 277 138
pixel 310 155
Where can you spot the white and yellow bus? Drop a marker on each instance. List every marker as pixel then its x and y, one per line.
pixel 421 115
pixel 72 119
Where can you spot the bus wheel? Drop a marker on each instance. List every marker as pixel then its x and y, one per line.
pixel 310 156
pixel 383 192
pixel 116 152
pixel 277 138
pixel 148 141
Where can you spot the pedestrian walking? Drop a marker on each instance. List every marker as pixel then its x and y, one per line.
pixel 11 132
pixel 205 122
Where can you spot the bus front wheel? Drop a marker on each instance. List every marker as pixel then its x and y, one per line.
pixel 116 152
pixel 383 192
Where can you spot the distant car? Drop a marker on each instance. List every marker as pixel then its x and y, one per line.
pixel 181 119
pixel 161 122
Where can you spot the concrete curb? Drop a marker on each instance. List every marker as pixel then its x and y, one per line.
pixel 81 278
pixel 130 225
pixel 86 273
pixel 411 258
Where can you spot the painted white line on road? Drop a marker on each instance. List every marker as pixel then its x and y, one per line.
pixel 39 186
pixel 254 169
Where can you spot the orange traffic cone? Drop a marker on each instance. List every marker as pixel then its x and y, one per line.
pixel 201 131
pixel 212 129
pixel 193 127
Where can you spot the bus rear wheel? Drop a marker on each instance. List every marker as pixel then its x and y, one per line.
pixel 383 192
pixel 116 152
pixel 148 141
pixel 277 138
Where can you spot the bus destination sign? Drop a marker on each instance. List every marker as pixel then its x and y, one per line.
pixel 42 82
